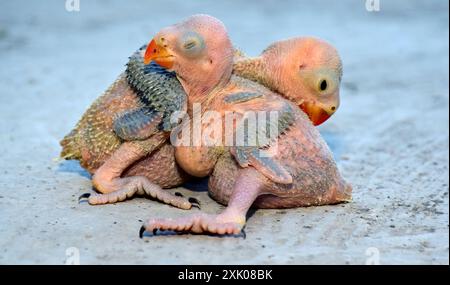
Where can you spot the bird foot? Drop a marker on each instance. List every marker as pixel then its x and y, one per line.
pixel 223 224
pixel 120 189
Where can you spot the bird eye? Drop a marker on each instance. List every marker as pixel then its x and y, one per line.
pixel 192 44
pixel 323 85
pixel 322 81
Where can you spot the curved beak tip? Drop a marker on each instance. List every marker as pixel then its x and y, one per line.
pixel 159 54
pixel 316 114
pixel 150 52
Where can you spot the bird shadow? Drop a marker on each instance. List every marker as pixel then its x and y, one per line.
pixel 334 142
pixel 196 184
pixel 158 233
pixel 73 166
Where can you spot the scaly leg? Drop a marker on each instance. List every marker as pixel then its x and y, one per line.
pixel 231 221
pixel 107 178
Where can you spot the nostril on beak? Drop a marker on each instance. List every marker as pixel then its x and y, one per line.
pixel 162 41
pixel 333 108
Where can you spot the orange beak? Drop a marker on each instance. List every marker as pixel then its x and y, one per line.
pixel 158 54
pixel 315 113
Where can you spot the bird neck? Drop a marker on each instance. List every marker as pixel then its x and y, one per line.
pixel 255 69
pixel 203 91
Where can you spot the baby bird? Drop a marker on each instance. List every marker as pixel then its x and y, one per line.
pixel 93 140
pixel 305 70
pixel 295 168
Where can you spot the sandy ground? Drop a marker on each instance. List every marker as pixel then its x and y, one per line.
pixel 390 136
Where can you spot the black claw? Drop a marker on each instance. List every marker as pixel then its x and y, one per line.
pixel 178 194
pixel 244 235
pixel 141 232
pixel 193 200
pixel 84 196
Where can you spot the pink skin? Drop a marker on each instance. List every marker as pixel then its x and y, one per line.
pixel 229 221
pixel 211 63
pixel 208 68
pixel 108 181
pixel 212 66
pixel 296 68
pixel 301 151
pixel 316 180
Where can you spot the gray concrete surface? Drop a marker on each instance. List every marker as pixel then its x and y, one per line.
pixel 390 137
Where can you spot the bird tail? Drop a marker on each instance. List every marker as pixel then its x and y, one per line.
pixel 345 194
pixel 71 146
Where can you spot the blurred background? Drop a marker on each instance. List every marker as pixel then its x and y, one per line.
pixel 389 137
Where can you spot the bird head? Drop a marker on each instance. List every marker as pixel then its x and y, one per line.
pixel 197 49
pixel 308 71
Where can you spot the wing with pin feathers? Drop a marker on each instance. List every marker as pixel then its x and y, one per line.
pixel 256 132
pixel 136 105
pixel 160 95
